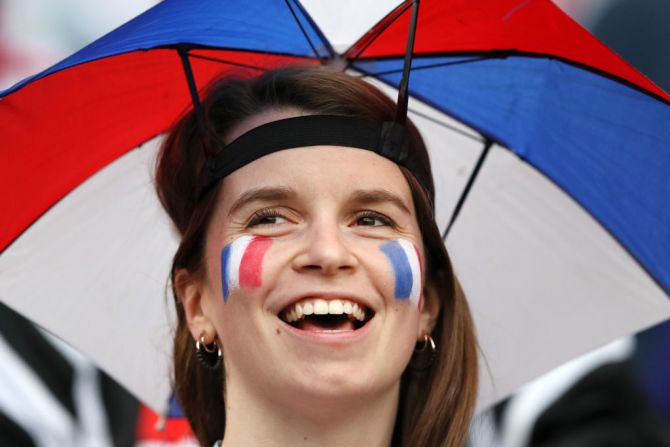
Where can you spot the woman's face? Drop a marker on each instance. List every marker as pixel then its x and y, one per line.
pixel 325 231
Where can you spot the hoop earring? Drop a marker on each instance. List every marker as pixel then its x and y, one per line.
pixel 424 354
pixel 210 355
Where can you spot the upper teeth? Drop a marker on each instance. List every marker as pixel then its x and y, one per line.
pixel 322 307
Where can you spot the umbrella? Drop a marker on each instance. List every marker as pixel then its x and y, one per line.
pixel 561 245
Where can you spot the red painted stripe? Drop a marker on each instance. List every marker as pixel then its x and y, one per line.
pixel 418 256
pixel 251 265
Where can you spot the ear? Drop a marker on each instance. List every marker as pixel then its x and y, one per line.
pixel 190 290
pixel 430 310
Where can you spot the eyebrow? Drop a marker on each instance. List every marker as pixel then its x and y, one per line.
pixel 377 196
pixel 268 193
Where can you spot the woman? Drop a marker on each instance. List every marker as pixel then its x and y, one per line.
pixel 314 269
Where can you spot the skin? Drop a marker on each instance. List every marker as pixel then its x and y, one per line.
pixel 327 211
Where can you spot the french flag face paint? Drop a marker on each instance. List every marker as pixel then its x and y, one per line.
pixel 241 263
pixel 406 264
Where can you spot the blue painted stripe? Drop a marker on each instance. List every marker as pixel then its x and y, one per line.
pixel 607 145
pixel 401 268
pixel 225 261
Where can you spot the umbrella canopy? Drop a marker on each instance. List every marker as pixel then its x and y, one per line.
pixel 86 249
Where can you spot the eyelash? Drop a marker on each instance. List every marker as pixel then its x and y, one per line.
pixel 257 218
pixel 385 221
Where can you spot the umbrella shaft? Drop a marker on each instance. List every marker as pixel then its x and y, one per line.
pixel 403 93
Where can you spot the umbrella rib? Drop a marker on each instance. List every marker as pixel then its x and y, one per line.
pixel 399 11
pixel 487 147
pixel 304 33
pixel 192 87
pixel 403 88
pixel 423 67
pixel 324 41
pixel 447 126
pixel 224 61
pixel 197 104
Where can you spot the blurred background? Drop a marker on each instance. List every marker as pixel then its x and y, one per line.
pixel 51 395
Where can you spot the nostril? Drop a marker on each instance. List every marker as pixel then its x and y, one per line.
pixel 324 254
pixel 325 268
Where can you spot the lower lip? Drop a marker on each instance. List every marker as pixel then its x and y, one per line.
pixel 329 337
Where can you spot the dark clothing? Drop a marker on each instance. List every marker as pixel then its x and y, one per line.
pixel 58 377
pixel 605 408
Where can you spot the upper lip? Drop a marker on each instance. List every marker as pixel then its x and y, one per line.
pixel 327 296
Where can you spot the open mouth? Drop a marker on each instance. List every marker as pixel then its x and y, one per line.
pixel 318 315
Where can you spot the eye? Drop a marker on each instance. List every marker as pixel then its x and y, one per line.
pixel 370 218
pixel 267 216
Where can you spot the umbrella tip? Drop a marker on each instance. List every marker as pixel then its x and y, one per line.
pixel 336 62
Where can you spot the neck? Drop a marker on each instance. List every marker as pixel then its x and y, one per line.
pixel 325 422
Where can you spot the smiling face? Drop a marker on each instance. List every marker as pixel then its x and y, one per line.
pixel 312 276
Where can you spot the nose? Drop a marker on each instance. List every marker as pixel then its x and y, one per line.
pixel 325 251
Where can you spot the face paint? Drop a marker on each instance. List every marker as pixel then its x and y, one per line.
pixel 406 264
pixel 241 263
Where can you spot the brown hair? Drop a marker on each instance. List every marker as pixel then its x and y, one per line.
pixel 436 405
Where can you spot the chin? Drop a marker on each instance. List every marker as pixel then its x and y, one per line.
pixel 345 378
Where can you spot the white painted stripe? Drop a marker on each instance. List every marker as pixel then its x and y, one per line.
pixel 237 249
pixel 415 266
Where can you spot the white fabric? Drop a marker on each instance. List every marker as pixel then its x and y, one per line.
pixel 31 405
pixel 94 270
pixel 544 280
pixel 331 15
pixel 92 429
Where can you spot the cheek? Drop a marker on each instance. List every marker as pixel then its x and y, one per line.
pixel 242 264
pixel 405 264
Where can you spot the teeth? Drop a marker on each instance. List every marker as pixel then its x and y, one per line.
pixel 357 312
pixel 320 307
pixel 323 307
pixel 347 307
pixel 335 307
pixel 308 308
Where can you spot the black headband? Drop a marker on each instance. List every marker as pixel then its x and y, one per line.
pixel 388 139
